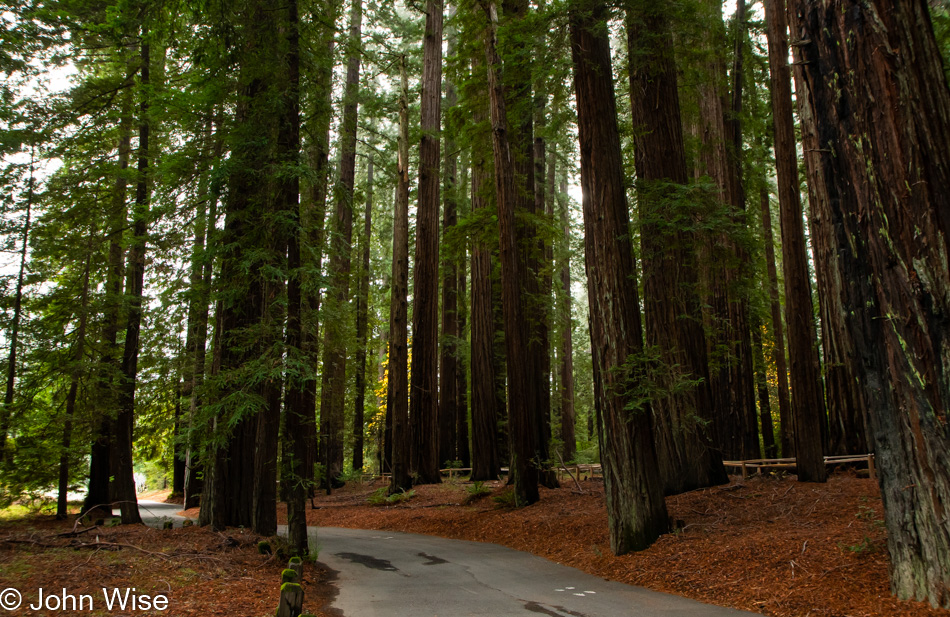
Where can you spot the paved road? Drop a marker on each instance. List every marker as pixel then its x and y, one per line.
pixel 401 574
pixel 396 574
pixel 155 513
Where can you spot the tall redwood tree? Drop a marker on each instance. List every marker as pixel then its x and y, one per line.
pixel 635 507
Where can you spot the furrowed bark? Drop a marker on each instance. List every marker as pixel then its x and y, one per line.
pixel 635 508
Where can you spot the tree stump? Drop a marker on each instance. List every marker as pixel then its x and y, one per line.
pixel 296 564
pixel 291 600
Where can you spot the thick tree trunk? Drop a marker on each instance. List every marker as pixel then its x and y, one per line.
pixel 566 343
pixel 397 401
pixel 500 363
pixel 124 485
pixel 725 263
pixel 524 469
pixel 362 311
pixel 287 199
pixel 485 455
pixel 247 337
pixel 98 491
pixel 846 404
pixel 461 375
pixel 462 425
pixel 635 508
pixel 808 403
pixel 672 306
pixel 542 267
pixel 449 361
pixel 334 344
pixel 313 215
pixel 873 91
pixel 423 390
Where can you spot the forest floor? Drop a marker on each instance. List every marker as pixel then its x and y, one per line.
pixel 768 544
pixel 201 572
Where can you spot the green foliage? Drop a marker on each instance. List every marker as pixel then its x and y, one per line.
pixel 940 18
pixel 313 545
pixel 587 452
pixel 476 491
pixel 506 499
pixel 865 546
pixel 381 497
pixel 647 376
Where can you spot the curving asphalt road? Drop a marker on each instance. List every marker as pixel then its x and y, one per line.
pixel 403 574
pixel 155 513
pixel 395 574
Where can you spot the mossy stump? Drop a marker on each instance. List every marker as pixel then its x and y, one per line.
pixel 291 599
pixel 296 564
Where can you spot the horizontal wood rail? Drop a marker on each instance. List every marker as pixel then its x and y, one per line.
pixel 784 463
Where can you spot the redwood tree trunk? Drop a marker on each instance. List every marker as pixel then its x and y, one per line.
pixel 397 394
pixel 872 82
pixel 566 343
pixel 245 336
pixel 524 471
pixel 672 307
pixel 100 460
pixel 635 508
pixel 288 191
pixel 313 215
pixel 124 487
pixel 808 404
pixel 334 343
pixel 424 387
pixel 846 403
pixel 461 376
pixel 486 463
pixel 449 361
pixel 362 310
pixel 725 263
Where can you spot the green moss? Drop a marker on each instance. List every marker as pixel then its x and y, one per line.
pixel 288 576
pixel 291 587
pixel 264 548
